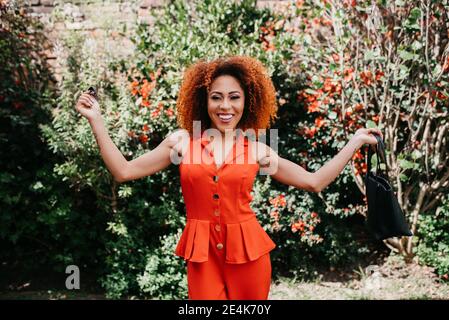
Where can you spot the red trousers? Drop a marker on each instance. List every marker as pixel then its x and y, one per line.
pixel 217 280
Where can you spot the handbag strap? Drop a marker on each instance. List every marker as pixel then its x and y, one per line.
pixel 380 153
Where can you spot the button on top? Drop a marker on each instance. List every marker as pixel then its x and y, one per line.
pixel 216 213
pixel 219 246
pixel 215 178
pixel 217 227
pixel 216 196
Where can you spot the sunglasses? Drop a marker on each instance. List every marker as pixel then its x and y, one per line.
pixel 92 92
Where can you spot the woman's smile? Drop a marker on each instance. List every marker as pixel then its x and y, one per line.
pixel 225 117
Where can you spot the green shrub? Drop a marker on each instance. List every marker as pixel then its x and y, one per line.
pixel 375 63
pixel 37 209
pixel 164 276
pixel 433 247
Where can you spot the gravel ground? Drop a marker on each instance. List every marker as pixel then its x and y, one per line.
pixel 393 280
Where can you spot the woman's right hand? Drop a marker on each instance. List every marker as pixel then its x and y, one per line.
pixel 88 107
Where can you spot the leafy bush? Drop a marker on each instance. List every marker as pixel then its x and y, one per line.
pixel 433 247
pixel 25 98
pixel 384 64
pixel 35 206
pixel 164 276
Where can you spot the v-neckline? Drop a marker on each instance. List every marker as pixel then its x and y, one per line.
pixel 226 157
pixel 230 153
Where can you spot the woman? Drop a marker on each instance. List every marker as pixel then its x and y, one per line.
pixel 226 249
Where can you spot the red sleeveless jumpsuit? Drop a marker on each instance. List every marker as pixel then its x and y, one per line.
pixel 226 249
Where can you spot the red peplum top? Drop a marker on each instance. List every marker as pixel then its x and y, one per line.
pixel 217 202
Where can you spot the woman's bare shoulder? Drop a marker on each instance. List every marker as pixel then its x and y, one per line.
pixel 179 136
pixel 261 150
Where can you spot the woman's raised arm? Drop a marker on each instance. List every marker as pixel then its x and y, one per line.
pixel 122 169
pixel 290 173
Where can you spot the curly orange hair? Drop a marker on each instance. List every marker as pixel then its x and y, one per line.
pixel 260 94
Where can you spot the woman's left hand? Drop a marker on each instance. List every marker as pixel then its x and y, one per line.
pixel 365 135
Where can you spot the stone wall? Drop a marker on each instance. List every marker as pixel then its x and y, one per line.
pixel 111 19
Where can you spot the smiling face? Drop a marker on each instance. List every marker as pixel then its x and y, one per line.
pixel 225 103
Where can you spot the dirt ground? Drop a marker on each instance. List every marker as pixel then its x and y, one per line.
pixel 392 280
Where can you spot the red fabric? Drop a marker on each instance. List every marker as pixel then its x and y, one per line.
pixel 240 233
pixel 217 280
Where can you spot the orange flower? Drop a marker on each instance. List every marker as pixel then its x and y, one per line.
pixel 440 95
pixel 314 214
pixel 348 113
pixel 298 226
pixel 134 87
pixel 310 132
pixel 351 3
pixel 145 103
pixel 314 107
pixel 143 138
pixel 348 74
pixel 268 46
pixel 169 112
pixel 364 167
pixel 328 85
pixel 278 201
pixel 326 22
pixel 299 3
pixel 155 113
pixel 338 88
pixel 145 128
pixel 367 77
pixel 379 75
pixel 319 122
pixel 147 87
pixel 358 107
pixel 358 155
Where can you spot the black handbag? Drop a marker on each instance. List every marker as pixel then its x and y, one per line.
pixel 385 218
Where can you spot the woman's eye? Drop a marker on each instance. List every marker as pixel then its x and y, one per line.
pixel 215 98
pixel 235 97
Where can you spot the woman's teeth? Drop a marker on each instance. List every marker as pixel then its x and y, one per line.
pixel 225 117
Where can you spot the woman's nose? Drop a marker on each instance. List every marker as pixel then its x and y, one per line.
pixel 226 104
